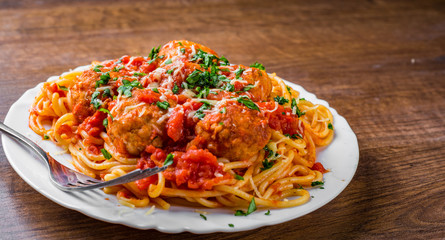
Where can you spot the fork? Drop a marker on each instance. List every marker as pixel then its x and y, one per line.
pixel 67 179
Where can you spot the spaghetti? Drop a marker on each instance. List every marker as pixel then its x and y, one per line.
pixel 233 133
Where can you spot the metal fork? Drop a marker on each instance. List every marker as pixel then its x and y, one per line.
pixel 69 180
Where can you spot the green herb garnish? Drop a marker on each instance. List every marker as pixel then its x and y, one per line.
pixel 317 183
pixel 127 86
pixel 168 61
pixel 258 65
pixel 139 74
pixel 106 154
pixel 117 69
pixel 280 100
pixel 169 159
pixel 96 101
pixel 62 87
pixel 106 111
pixel 97 68
pixel 163 105
pixel 248 102
pixel 105 122
pixel 239 177
pixel 295 108
pixel 175 89
pixel 238 72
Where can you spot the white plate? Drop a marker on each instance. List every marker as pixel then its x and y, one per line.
pixel 341 157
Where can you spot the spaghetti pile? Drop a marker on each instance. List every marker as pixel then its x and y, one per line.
pixel 233 134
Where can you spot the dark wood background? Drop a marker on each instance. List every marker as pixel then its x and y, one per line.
pixel 381 64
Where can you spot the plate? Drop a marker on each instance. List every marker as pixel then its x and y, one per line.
pixel 341 157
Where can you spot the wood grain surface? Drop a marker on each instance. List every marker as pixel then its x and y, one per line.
pixel 380 64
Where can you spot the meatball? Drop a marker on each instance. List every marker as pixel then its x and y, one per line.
pixel 250 76
pixel 135 126
pixel 167 76
pixel 263 88
pixel 173 48
pixel 237 134
pixel 81 93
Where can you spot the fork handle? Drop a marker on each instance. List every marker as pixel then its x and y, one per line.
pixel 24 140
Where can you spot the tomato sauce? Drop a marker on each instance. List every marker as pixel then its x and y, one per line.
pixel 194 169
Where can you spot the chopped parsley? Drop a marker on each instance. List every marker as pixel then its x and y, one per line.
pixel 289 90
pixel 168 61
pixel 106 154
pixel 106 111
pixel 238 72
pixel 175 89
pixel 267 213
pixel 46 137
pixel 295 108
pixel 200 112
pixel 280 100
pixel 106 92
pixel 258 65
pixel 330 126
pixel 182 50
pixel 270 158
pixel 238 177
pixel 250 209
pixel 170 71
pixel 104 78
pixel 317 183
pixel 62 87
pixel 248 102
pixel 117 69
pixel 202 92
pixel 163 105
pixel 95 100
pixel 155 90
pixel 153 55
pixel 105 122
pixel 169 159
pixel 267 164
pixel 154 52
pixel 240 213
pixel 231 225
pixel 97 68
pixel 223 61
pixel 248 87
pixel 207 59
pixel 293 136
pixel 229 87
pixel 203 217
pixel 139 74
pixel 127 86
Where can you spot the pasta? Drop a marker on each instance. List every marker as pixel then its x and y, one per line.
pixel 233 134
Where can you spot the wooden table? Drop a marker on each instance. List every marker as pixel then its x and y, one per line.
pixel 381 64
